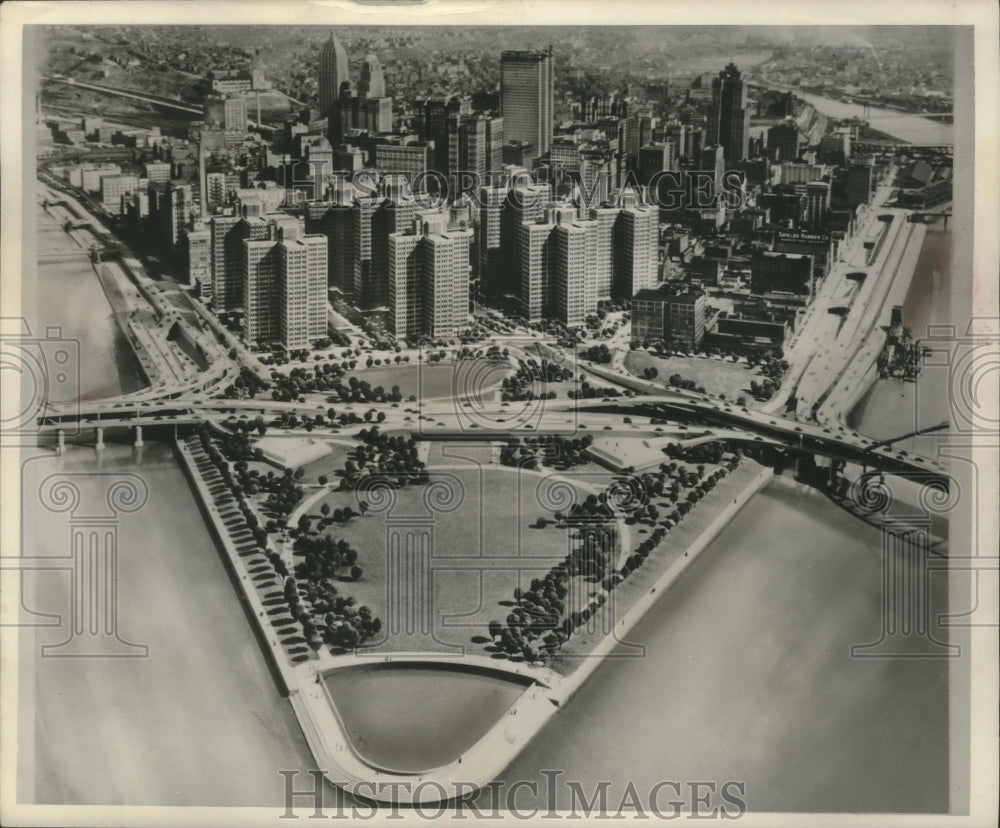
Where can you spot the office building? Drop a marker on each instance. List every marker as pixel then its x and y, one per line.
pixel 606 219
pixel 526 97
pixel 655 158
pixel 372 82
pixel 860 184
pixel 410 160
pixel 487 256
pixel 525 202
pixel 332 73
pixel 573 291
pixel 197 247
pixel 157 172
pixel 302 290
pixel 228 112
pixel 817 203
pixel 475 146
pixel 228 234
pixel 728 120
pixel 801 173
pixel 113 187
pixel 169 211
pixel 670 317
pixel 774 272
pixel 283 278
pixel 334 220
pixel 784 140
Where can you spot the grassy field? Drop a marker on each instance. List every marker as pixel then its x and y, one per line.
pixel 717 376
pixel 430 382
pixel 481 546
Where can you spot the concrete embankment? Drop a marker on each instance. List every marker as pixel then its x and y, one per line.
pixel 284 675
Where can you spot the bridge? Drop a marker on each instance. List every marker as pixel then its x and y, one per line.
pixel 895 146
pixel 145 97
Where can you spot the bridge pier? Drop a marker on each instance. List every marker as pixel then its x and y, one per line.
pixel 138 436
pixel 99 445
pixel 61 445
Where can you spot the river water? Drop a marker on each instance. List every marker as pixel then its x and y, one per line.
pixel 68 294
pixel 915 129
pixel 747 676
pixel 894 406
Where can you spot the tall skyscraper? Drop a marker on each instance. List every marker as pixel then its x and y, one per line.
pixel 527 89
pixel 372 83
pixel 301 290
pixel 429 279
pixel 727 121
pixel 475 145
pixel 332 73
pixel 488 261
pixel 636 250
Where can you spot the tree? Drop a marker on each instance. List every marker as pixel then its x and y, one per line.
pixel 325 509
pixel 495 629
pixel 363 506
pixel 304 524
pixel 322 480
pixel 356 573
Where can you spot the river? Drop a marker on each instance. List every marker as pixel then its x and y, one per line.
pixel 748 676
pixel 892 406
pixel 909 127
pixel 68 294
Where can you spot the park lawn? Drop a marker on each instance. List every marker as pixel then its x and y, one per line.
pixel 435 381
pixel 331 465
pixel 480 551
pixel 716 375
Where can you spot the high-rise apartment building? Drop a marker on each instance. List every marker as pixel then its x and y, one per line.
pixel 527 85
pixel 488 258
pixel 728 122
pixel 429 279
pixel 525 202
pixel 636 249
pixel 301 290
pixel 228 234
